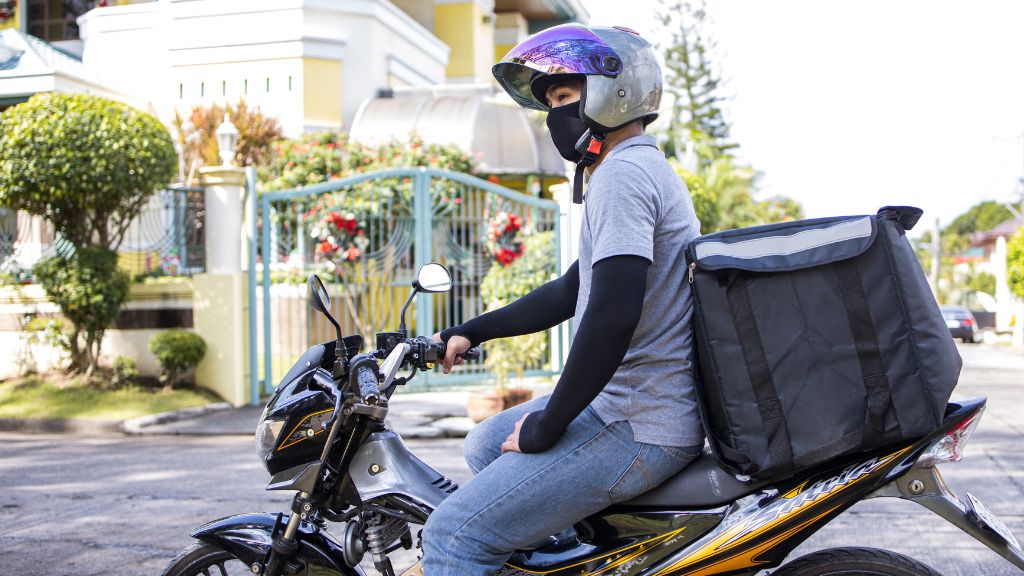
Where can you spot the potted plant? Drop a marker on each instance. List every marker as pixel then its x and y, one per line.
pixel 522 263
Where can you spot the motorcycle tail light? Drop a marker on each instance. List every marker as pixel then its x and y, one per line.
pixel 950 447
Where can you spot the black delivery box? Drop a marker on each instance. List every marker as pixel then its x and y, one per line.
pixel 816 338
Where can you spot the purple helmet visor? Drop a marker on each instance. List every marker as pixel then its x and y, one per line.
pixel 564 49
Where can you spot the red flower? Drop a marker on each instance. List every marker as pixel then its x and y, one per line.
pixel 458 201
pixel 350 225
pixel 493 179
pixel 352 253
pixel 324 247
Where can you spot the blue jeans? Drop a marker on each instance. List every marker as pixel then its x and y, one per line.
pixel 517 499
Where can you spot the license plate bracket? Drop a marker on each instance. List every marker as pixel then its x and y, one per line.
pixel 983 517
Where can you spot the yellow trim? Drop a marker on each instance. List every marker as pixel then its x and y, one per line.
pixel 619 560
pixel 735 536
pixel 321 91
pixel 301 422
pixel 456 25
pixel 501 49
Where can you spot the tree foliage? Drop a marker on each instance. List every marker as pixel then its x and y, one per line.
pixel 691 78
pixel 1015 264
pixel 979 218
pixel 89 289
pixel 87 164
pixel 197 136
pixel 501 286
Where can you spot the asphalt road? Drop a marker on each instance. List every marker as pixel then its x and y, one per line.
pixel 116 505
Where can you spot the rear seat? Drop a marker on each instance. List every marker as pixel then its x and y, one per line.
pixel 702 484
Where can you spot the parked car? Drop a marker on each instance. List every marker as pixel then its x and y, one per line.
pixel 961 323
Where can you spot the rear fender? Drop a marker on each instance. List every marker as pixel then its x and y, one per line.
pixel 926 487
pixel 248 538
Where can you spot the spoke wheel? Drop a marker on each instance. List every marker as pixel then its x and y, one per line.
pixel 855 562
pixel 201 559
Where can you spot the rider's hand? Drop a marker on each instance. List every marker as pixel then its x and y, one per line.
pixel 511 443
pixel 456 345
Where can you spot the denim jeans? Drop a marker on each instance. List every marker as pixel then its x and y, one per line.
pixel 518 499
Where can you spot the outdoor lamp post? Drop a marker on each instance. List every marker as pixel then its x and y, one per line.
pixel 227 141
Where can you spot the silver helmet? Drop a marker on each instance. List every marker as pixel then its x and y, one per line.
pixel 623 78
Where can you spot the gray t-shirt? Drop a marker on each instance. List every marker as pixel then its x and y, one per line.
pixel 636 205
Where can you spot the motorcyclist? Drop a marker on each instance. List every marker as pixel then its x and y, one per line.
pixel 623 417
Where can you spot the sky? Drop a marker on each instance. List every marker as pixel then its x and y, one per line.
pixel 849 106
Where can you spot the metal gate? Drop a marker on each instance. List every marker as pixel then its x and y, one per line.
pixel 366 236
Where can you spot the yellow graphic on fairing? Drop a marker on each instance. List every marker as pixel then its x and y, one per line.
pixel 619 556
pixel 730 542
pixel 291 439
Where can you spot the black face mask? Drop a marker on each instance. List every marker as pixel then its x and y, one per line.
pixel 566 127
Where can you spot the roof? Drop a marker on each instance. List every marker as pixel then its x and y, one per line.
pixel 1007 229
pixel 23 55
pixel 502 136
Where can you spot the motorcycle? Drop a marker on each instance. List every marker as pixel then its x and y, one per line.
pixel 323 435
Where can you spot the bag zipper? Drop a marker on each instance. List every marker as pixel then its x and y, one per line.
pixel 693 266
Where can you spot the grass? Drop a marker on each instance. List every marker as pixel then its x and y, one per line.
pixel 36 397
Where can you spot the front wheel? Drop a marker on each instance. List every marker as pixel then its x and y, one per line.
pixel 202 559
pixel 855 562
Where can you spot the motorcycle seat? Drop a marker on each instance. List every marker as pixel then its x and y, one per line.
pixel 702 484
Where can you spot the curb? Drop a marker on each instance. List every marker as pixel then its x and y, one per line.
pixel 135 426
pixel 60 426
pixel 132 426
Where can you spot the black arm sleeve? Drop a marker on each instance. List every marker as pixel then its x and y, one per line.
pixel 547 306
pixel 602 340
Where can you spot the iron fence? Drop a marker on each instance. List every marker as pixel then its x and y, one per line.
pixel 367 236
pixel 167 238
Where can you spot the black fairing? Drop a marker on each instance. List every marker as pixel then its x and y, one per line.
pixel 303 401
pixel 248 538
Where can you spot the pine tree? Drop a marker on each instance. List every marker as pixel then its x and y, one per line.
pixel 691 78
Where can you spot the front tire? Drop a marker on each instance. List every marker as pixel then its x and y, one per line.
pixel 855 562
pixel 202 559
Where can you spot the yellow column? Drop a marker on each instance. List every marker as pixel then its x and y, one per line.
pixel 468 29
pixel 321 92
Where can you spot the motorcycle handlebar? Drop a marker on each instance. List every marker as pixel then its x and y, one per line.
pixel 364 380
pixel 471 354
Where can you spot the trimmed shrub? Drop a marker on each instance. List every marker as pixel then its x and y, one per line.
pixel 125 372
pixel 178 352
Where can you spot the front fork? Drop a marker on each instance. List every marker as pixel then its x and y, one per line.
pixel 926 487
pixel 285 545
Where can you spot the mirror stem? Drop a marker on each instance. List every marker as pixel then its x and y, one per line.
pixel 401 325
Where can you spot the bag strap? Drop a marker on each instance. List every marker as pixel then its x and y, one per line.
pixel 769 406
pixel 876 382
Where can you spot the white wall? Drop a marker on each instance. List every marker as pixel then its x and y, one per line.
pixel 176 54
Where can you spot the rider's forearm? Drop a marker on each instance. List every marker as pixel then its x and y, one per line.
pixel 547 306
pixel 601 342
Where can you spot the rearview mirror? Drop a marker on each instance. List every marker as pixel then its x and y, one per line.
pixel 433 277
pixel 319 299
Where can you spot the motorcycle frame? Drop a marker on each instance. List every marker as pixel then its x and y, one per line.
pixel 756 532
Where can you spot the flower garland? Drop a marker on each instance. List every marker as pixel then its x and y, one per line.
pixel 7 10
pixel 503 241
pixel 341 239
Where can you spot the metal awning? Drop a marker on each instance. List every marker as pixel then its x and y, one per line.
pixel 504 138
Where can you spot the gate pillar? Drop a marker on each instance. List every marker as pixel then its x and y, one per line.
pixel 219 293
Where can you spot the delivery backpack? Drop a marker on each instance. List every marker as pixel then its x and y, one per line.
pixel 814 339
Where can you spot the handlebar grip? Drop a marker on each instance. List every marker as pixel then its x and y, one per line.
pixel 471 354
pixel 366 376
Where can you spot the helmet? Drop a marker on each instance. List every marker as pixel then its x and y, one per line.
pixel 623 77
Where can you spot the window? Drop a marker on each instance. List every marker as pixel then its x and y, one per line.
pixel 55 20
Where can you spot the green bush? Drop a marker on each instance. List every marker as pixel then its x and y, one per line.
pixel 89 288
pixel 88 165
pixel 178 352
pixel 504 284
pixel 1015 264
pixel 125 372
